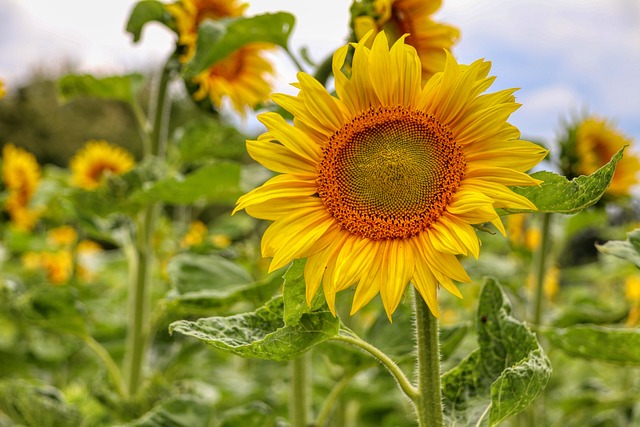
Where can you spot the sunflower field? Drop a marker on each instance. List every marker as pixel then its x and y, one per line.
pixel 386 251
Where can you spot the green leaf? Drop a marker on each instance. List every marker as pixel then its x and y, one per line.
pixel 178 411
pixel 559 195
pixel 33 405
pixel 254 414
pixel 262 333
pixel 295 295
pixel 119 88
pixel 206 139
pixel 504 375
pixel 217 39
pixel 215 182
pixel 451 336
pixel 628 249
pixel 146 11
pixel 620 346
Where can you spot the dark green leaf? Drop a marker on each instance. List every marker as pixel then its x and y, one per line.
pixel 146 11
pixel 628 249
pixel 557 194
pixel 214 182
pixel 217 39
pixel 254 414
pixel 119 88
pixel 32 405
pixel 262 333
pixel 504 375
pixel 178 411
pixel 614 345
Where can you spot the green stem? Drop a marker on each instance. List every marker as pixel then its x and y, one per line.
pixel 294 60
pixel 143 259
pixel 429 400
pixel 542 268
pixel 112 367
pixel 403 381
pixel 332 398
pixel 300 403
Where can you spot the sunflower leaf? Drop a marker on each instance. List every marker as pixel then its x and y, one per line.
pixel 119 88
pixel 262 333
pixel 216 182
pixel 146 11
pixel 177 411
pixel 628 249
pixel 558 194
pixel 504 375
pixel 217 39
pixel 592 342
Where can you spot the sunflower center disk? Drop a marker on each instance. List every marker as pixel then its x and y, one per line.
pixel 389 173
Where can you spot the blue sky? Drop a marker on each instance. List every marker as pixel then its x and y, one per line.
pixel 567 56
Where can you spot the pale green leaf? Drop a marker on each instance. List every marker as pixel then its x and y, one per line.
pixel 295 299
pixel 207 139
pixel 607 344
pixel 558 194
pixel 146 11
pixel 217 39
pixel 504 375
pixel 263 333
pixel 254 414
pixel 119 88
pixel 215 182
pixel 628 249
pixel 177 411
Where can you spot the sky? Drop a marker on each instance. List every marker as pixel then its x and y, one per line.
pixel 568 57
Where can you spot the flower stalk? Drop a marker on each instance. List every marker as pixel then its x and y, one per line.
pixel 300 403
pixel 428 402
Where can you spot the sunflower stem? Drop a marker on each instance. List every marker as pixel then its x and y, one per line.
pixel 428 402
pixel 403 382
pixel 332 399
pixel 294 60
pixel 110 364
pixel 142 259
pixel 324 70
pixel 541 268
pixel 300 404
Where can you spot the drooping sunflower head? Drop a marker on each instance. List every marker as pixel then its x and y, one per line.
pixel 380 185
pixel 95 160
pixel 189 14
pixel 242 77
pixel 596 141
pixel 413 17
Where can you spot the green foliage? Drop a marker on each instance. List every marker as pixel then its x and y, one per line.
pixel 607 344
pixel 504 375
pixel 559 195
pixel 120 88
pixel 217 39
pixel 36 406
pixel 628 249
pixel 207 138
pixel 264 333
pixel 254 414
pixel 146 11
pixel 177 411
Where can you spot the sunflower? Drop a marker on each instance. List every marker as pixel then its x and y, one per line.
pixel 96 159
pixel 189 14
pixel 412 17
pixel 241 76
pixel 3 91
pixel 596 141
pixel 21 177
pixel 380 186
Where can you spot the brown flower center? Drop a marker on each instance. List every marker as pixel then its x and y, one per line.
pixel 389 173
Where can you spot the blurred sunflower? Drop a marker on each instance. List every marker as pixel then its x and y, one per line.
pixel 58 266
pixel 97 159
pixel 3 91
pixel 195 235
pixel 64 236
pixel 596 141
pixel 242 75
pixel 21 177
pixel 413 17
pixel 380 185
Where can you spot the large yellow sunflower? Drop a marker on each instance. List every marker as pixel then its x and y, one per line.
pixel 412 17
pixel 21 177
pixel 96 159
pixel 596 142
pixel 241 76
pixel 380 185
